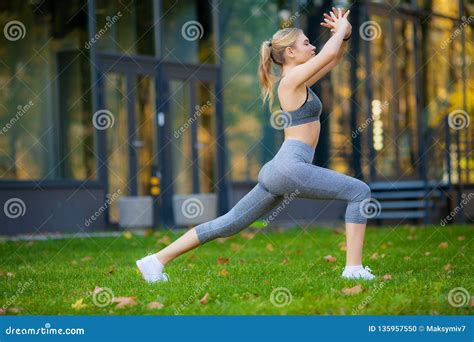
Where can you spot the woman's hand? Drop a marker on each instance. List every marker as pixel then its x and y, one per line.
pixel 338 20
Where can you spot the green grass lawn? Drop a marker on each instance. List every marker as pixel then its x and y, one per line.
pixel 421 264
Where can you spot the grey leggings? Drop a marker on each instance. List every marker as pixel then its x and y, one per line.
pixel 290 172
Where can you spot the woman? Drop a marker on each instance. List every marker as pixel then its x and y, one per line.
pixel 291 170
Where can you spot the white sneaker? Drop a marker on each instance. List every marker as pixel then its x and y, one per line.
pixel 151 269
pixel 361 273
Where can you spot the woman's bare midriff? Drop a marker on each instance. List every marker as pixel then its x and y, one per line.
pixel 307 133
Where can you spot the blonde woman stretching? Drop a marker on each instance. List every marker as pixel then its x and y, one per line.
pixel 291 170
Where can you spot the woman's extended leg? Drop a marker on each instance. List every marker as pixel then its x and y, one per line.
pixel 250 207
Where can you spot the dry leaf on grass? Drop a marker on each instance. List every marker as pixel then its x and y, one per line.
pixel 127 235
pixel 330 258
pixel 78 305
pixel 447 267
pixel 443 245
pixel 235 246
pixel 124 301
pixel 460 238
pixel 285 261
pixel 352 290
pixel 269 247
pixel 224 272
pixel 166 240
pixel 427 253
pixel 155 305
pixel 407 257
pixel 374 256
pixel 387 276
pixel 248 236
pixel 87 258
pixel 342 246
pixel 204 299
pixel 222 260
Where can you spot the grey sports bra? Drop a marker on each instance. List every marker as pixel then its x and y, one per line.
pixel 309 111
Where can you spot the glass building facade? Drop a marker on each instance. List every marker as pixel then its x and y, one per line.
pixel 146 69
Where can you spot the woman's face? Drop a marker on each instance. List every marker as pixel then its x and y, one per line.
pixel 302 51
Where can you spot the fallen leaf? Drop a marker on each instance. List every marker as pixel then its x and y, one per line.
pixel 74 262
pixel 155 305
pixel 222 260
pixel 339 231
pixel 86 258
pixel 427 253
pixel 330 258
pixel 124 301
pixel 352 290
pixel 407 257
pixel 78 305
pixel 224 272
pixel 10 274
pixel 204 299
pixel 374 256
pixel 298 251
pixel 111 270
pixel 166 240
pixel 191 257
pixel 221 240
pixel 270 247
pixel 248 236
pixel 14 310
pixel 148 232
pixel 285 261
pixel 443 245
pixel 235 246
pixel 127 235
pixel 460 238
pixel 447 267
pixel 387 277
pixel 342 246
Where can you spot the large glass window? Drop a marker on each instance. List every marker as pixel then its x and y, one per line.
pixel 43 60
pixel 188 31
pixel 125 26
pixel 250 138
